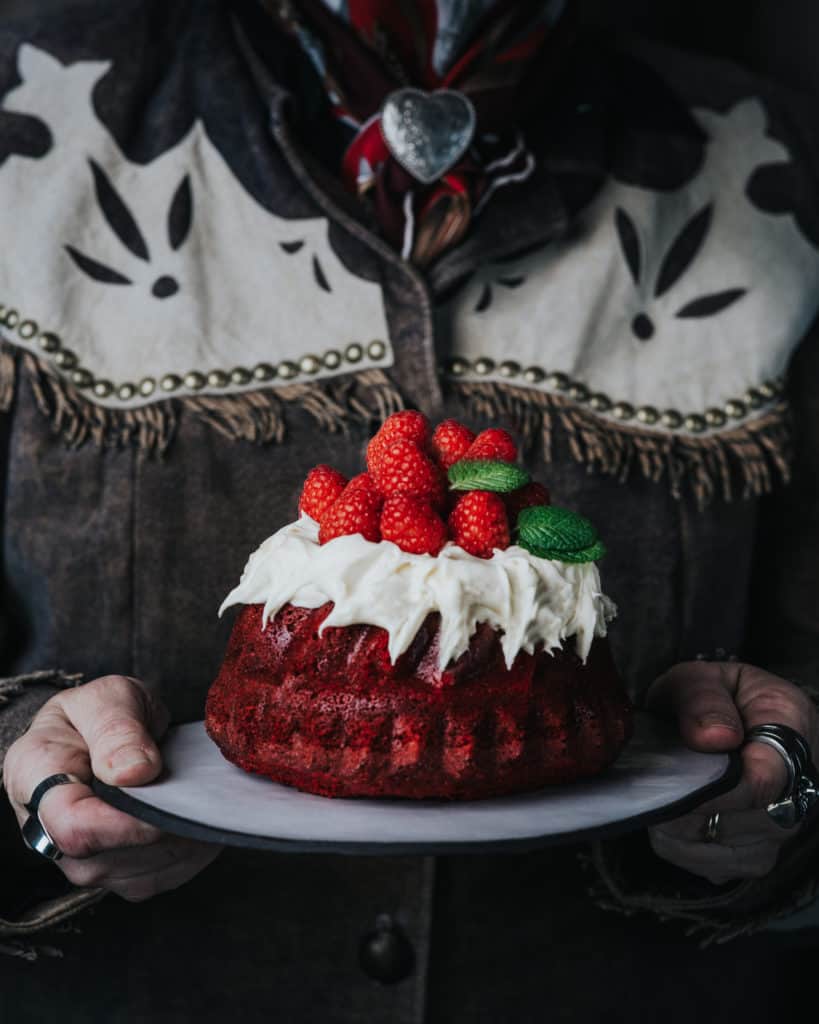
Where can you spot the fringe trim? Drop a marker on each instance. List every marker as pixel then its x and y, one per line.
pixel 256 416
pixel 708 920
pixel 751 456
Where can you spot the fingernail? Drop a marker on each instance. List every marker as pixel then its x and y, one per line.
pixel 130 758
pixel 715 718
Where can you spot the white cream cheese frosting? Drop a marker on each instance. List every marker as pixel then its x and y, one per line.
pixel 531 600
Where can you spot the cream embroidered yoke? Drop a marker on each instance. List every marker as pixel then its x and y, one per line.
pixel 237 298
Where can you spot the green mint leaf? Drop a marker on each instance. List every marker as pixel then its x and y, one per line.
pixel 486 475
pixel 549 531
pixel 590 554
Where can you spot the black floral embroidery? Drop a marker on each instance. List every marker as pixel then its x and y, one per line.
pixel 124 225
pixel 485 298
pixel 682 252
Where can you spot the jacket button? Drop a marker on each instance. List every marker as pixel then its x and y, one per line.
pixel 386 954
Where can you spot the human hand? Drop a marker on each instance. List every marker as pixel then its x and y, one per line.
pixel 107 728
pixel 715 703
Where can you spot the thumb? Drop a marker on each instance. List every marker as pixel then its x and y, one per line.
pixel 118 719
pixel 700 695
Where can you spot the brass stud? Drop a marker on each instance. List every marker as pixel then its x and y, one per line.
pixel 66 359
pixel 287 370
pixel 218 379
pixel 126 391
pixel 534 375
pixel 81 379
pixel 458 367
pixel 376 349
pixel 714 417
pixel 558 380
pixel 735 409
pixel 647 414
pixel 509 368
pixel 671 418
pixel 623 411
pixel 195 380
pixel 264 371
pixel 695 423
pixel 754 398
pixel 12 318
pixel 579 392
pixel 767 390
pixel 170 382
pixel 50 342
pixel 332 359
pixel 310 364
pixel 147 386
pixel 354 353
pixel 483 366
pixel 600 402
pixel 239 375
pixel 103 388
pixel 27 329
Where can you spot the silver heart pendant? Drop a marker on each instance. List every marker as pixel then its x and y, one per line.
pixel 427 132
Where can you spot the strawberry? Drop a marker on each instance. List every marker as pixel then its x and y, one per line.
pixel 363 482
pixel 525 497
pixel 451 442
pixel 321 488
pixel 493 444
pixel 478 523
pixel 355 511
pixel 409 424
pixel 413 524
pixel 402 468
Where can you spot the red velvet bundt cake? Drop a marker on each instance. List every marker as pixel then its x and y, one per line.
pixel 384 650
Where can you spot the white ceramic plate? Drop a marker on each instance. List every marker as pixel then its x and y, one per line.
pixel 203 796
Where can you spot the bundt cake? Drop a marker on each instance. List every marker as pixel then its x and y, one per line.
pixel 396 643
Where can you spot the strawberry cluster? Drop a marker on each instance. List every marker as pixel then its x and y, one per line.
pixel 407 495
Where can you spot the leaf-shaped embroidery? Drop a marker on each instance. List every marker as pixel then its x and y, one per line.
pixel 117 214
pixel 683 250
pixel 484 299
pixel 291 247
pixel 180 214
pixel 511 282
pixel 708 305
pixel 98 271
pixel 629 242
pixel 320 276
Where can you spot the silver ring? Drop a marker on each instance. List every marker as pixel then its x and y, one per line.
pixel 35 835
pixel 801 792
pixel 37 838
pixel 710 831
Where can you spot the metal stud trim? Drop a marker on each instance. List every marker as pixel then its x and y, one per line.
pixel 307 366
pixel 673 419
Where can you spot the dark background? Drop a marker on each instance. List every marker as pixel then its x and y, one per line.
pixel 778 37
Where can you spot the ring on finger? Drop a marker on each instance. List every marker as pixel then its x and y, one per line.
pixel 802 790
pixel 710 831
pixel 35 835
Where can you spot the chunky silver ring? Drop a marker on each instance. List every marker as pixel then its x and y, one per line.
pixel 801 792
pixel 710 831
pixel 35 835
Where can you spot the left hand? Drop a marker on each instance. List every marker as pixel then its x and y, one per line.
pixel 714 704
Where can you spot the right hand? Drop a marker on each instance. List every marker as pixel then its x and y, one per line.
pixel 106 728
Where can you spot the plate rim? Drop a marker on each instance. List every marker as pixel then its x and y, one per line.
pixel 190 829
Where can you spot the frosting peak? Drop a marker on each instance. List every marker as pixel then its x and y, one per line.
pixel 532 600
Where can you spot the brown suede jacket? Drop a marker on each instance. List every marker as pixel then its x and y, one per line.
pixel 193 314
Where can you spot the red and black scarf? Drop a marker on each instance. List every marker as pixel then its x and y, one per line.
pixel 498 53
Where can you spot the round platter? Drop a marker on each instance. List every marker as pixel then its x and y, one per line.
pixel 203 796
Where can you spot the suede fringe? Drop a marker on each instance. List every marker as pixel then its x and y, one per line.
pixel 257 416
pixel 746 460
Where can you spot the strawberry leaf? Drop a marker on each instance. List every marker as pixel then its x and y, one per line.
pixel 552 532
pixel 486 475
